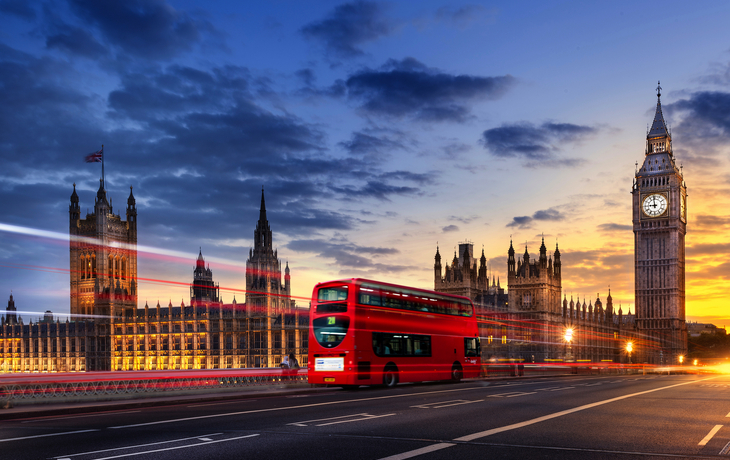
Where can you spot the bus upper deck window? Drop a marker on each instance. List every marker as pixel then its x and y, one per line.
pixel 333 293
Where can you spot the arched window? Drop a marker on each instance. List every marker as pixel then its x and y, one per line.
pixel 82 268
pixel 124 268
pixel 111 267
pixel 93 266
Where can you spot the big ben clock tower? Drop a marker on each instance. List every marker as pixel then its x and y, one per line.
pixel 660 224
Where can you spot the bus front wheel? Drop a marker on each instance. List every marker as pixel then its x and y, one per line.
pixel 456 373
pixel 390 377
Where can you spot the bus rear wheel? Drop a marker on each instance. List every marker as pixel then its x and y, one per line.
pixel 390 377
pixel 456 373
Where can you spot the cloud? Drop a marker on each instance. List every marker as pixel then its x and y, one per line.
pixel 365 144
pixel 536 145
pixel 523 222
pixel 20 8
pixel 705 119
pixel 450 228
pixel 349 256
pixel 148 29
pixel 349 26
pixel 75 40
pixel 612 227
pixel 464 16
pixel 409 88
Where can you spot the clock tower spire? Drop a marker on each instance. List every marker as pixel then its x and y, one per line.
pixel 659 196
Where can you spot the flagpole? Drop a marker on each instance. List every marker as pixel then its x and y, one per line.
pixel 103 177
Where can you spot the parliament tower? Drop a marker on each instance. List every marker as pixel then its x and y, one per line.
pixel 103 258
pixel 660 224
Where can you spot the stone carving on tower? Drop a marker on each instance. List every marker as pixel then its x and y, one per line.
pixel 103 258
pixel 659 198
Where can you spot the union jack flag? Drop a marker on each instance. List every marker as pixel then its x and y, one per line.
pixel 95 157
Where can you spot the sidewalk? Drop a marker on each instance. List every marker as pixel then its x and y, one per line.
pixel 45 410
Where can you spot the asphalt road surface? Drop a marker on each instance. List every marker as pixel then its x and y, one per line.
pixel 581 417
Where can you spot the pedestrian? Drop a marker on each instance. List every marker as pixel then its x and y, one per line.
pixel 284 367
pixel 293 366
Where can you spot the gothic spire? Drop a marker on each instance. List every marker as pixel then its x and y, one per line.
pixel 658 127
pixel 262 212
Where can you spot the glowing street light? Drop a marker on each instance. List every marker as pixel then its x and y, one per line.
pixel 681 359
pixel 569 334
pixel 568 338
pixel 629 349
pixel 694 362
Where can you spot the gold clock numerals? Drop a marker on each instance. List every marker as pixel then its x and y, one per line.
pixel 654 205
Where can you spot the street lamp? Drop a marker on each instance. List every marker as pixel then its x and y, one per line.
pixel 568 338
pixel 694 362
pixel 629 349
pixel 681 359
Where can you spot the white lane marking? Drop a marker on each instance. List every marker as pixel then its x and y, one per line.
pixel 515 426
pixel 594 384
pixel 368 417
pixel 177 447
pixel 511 394
pixel 725 450
pixel 219 403
pixel 562 388
pixel 303 406
pixel 205 439
pixel 132 447
pixel 323 419
pixel 421 451
pixel 363 416
pixel 709 436
pixel 46 435
pixel 728 415
pixel 46 419
pixel 438 405
pixel 547 389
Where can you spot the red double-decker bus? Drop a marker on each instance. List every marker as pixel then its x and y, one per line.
pixel 365 332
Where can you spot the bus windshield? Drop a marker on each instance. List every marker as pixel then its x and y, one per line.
pixel 330 331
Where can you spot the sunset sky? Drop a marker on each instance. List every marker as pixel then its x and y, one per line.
pixel 378 130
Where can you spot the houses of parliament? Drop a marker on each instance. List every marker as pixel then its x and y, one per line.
pixel 205 334
pixel 527 322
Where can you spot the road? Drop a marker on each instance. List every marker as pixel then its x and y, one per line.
pixel 578 417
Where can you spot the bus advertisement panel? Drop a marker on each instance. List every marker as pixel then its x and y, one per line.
pixel 365 332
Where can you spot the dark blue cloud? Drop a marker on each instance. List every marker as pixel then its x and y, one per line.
pixel 523 222
pixel 75 40
pixel 20 8
pixel 706 115
pixel 366 144
pixel 536 144
pixel 150 29
pixel 409 88
pixel 349 26
pixel 349 256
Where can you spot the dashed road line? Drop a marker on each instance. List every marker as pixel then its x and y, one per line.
pixel 709 436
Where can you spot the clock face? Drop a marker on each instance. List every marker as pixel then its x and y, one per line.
pixel 654 205
pixel 683 208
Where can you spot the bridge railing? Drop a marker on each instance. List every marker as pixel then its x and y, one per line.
pixel 21 389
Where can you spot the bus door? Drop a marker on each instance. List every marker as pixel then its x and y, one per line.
pixel 365 297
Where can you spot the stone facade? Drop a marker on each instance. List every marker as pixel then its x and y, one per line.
pixel 659 202
pixel 103 258
pixel 529 322
pixel 206 334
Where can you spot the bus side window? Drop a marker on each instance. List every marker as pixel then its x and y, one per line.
pixel 471 347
